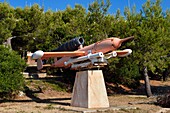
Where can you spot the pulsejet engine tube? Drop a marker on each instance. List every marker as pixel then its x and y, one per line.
pixel 71 45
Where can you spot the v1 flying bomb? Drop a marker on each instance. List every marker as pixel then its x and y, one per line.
pixel 72 54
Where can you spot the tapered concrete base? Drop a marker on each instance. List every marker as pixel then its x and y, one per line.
pixel 89 90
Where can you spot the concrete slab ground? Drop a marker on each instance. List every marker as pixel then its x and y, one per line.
pixel 94 110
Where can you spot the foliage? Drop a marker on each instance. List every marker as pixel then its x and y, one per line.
pixel 36 29
pixel 98 21
pixel 11 66
pixel 7 21
pixel 152 42
pixel 122 72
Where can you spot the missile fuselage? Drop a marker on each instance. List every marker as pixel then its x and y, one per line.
pixel 104 46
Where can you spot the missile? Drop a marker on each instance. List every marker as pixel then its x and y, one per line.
pixel 83 58
pixel 111 55
pixel 82 65
pixel 97 62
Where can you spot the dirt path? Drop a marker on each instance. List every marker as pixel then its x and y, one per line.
pixel 51 101
pixel 60 104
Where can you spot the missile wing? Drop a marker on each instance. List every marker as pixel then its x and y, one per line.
pixel 43 55
pixel 40 55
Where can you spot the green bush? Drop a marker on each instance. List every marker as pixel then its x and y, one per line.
pixel 119 71
pixel 11 68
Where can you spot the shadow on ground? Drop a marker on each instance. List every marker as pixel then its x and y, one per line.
pixel 32 95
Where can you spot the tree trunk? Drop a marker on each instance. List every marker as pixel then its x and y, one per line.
pixel 165 74
pixel 147 84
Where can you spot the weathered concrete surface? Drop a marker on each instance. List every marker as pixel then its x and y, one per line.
pixel 89 90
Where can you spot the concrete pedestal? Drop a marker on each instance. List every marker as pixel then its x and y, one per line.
pixel 89 90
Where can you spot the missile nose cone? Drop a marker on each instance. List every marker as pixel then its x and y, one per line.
pixel 127 39
pixel 38 54
pixel 117 41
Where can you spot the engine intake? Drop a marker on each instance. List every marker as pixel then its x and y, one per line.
pixel 72 45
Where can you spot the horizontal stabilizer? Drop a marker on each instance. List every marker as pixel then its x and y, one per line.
pixel 124 52
pixel 39 64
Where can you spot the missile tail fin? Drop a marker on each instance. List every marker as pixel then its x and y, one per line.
pixel 39 64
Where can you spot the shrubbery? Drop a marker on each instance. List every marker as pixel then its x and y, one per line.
pixel 11 78
pixel 164 100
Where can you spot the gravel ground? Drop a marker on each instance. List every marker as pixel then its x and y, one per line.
pixel 51 101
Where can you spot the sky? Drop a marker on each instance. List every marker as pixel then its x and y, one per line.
pixel 62 4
